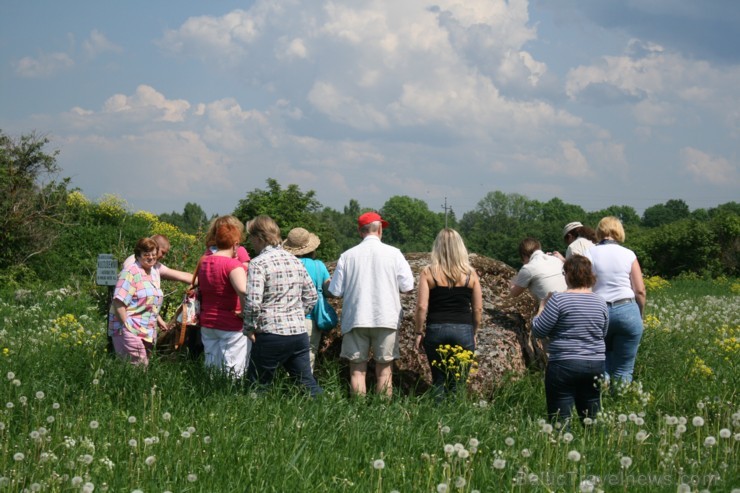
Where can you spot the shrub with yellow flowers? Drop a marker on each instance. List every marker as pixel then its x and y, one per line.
pixel 70 332
pixel 656 283
pixel 457 363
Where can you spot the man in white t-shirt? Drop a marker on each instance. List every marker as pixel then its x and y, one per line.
pixel 370 277
pixel 541 273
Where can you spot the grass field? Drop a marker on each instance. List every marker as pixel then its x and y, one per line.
pixel 74 419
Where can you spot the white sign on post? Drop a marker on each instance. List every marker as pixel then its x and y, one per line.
pixel 107 273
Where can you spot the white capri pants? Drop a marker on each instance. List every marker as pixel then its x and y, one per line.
pixel 226 350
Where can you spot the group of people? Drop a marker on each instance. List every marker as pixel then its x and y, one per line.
pixel 590 314
pixel 256 313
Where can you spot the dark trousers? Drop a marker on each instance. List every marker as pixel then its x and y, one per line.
pixel 439 335
pixel 569 382
pixel 269 351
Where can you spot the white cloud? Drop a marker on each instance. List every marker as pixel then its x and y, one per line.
pixel 98 44
pixel 569 162
pixel 147 103
pixel 44 65
pixel 705 168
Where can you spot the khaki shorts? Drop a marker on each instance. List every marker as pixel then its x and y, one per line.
pixel 356 344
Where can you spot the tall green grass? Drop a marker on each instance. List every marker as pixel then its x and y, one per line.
pixel 74 419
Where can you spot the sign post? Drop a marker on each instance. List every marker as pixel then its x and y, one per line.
pixel 107 275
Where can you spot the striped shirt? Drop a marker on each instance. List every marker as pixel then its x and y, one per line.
pixel 279 294
pixel 576 324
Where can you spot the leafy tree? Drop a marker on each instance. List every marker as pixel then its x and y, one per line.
pixel 32 201
pixel 290 208
pixel 625 213
pixel 413 226
pixel 672 211
pixel 192 220
pixel 499 222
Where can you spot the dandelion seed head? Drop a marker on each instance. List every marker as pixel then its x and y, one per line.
pixel 710 441
pixel 622 418
pixel 94 425
pixel 379 464
pixel 625 462
pixel 460 482
pixel 463 454
pixel 132 419
pixel 185 434
pixel 206 439
pixel 10 375
pixel 192 478
pixel 449 448
pixel 641 436
pixel 87 488
pixel 698 421
pixel 473 442
pixel 509 441
pixel 191 429
pixel 725 433
pixel 76 481
pixel 499 463
pixel 132 442
pixel 567 437
pixel 442 488
pixel 149 461
pixel 526 453
pixel 574 455
pixel 586 486
pixel 445 429
pixel 166 416
pixel 18 456
pixel 40 395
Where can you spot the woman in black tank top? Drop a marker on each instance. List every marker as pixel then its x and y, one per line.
pixel 448 309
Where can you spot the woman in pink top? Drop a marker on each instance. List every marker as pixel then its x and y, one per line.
pixel 223 282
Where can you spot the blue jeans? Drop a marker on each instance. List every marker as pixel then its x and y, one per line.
pixel 446 333
pixel 292 352
pixel 622 340
pixel 573 381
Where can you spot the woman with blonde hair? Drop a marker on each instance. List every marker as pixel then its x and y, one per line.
pixel 449 305
pixel 619 281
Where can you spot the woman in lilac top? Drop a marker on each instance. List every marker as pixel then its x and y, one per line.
pixel 222 281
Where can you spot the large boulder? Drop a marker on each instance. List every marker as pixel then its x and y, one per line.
pixel 505 346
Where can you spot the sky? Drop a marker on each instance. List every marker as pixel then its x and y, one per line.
pixel 596 102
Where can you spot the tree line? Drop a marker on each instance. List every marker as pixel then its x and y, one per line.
pixel 50 231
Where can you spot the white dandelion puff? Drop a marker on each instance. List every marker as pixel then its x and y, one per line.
pixel 698 421
pixel 574 455
pixel 625 462
pixel 499 463
pixel 379 464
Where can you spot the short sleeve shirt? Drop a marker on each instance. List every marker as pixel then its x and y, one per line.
pixel 542 274
pixel 142 297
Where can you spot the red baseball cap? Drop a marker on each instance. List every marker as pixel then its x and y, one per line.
pixel 371 217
